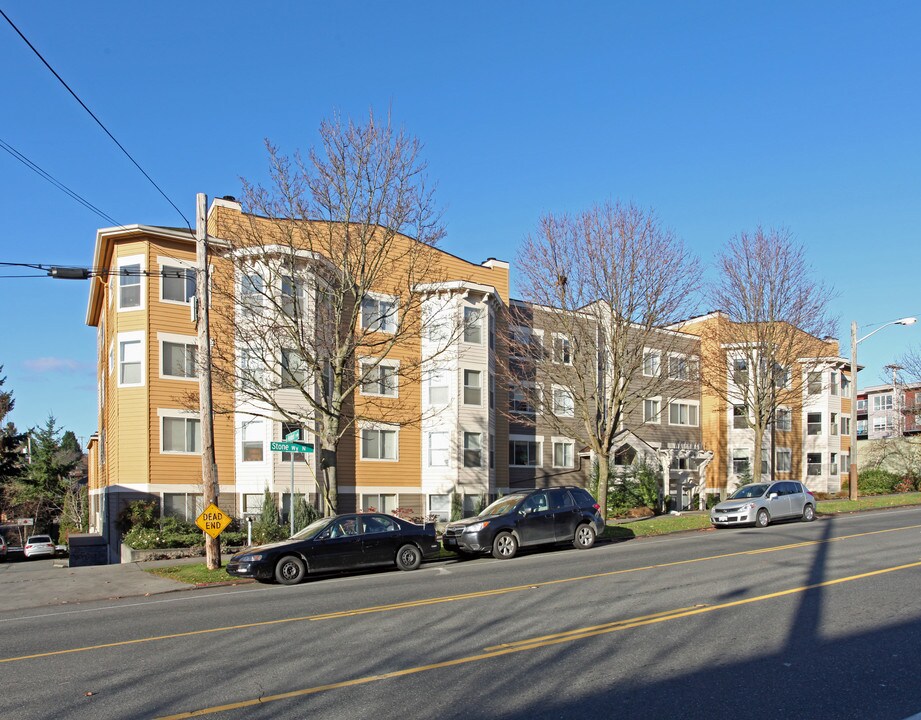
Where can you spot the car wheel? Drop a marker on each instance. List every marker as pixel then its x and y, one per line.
pixel 762 518
pixel 290 570
pixel 808 513
pixel 504 546
pixel 409 557
pixel 584 537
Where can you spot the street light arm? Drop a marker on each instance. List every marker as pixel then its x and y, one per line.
pixel 903 321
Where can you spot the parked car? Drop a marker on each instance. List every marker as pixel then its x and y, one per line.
pixel 759 504
pixel 37 546
pixel 532 517
pixel 344 542
pixel 2 548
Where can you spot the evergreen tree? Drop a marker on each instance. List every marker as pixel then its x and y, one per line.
pixel 11 443
pixel 304 513
pixel 46 481
pixel 267 527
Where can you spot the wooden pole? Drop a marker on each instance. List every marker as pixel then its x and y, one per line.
pixel 210 488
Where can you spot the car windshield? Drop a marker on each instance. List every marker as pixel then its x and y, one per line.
pixel 314 528
pixel 502 506
pixel 749 491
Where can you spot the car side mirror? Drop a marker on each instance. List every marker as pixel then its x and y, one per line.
pixel 772 496
pixel 323 535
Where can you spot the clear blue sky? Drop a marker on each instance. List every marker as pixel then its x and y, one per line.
pixel 720 115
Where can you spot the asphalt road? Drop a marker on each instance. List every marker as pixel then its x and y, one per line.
pixel 818 620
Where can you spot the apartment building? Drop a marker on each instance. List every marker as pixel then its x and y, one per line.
pixel 809 433
pixel 886 411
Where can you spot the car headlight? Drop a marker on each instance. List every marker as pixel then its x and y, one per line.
pixel 476 527
pixel 747 506
pixel 249 558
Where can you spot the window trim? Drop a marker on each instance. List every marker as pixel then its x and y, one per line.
pixel 164 414
pixel 480 313
pixel 134 336
pixel 246 422
pixel 175 264
pixel 378 427
pixel 658 364
pixel 139 260
pixel 554 441
pixel 379 298
pixel 536 440
pixel 562 338
pixel 446 449
pixel 162 339
pixel 689 403
pixel 386 363
pixel 464 449
pixel 572 400
pixel 658 417
pixel 464 387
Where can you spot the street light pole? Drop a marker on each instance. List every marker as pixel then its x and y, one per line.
pixel 852 452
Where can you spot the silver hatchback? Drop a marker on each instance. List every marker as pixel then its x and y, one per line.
pixel 759 504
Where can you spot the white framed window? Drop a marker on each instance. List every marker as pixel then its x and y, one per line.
pixel 740 371
pixel 740 461
pixel 862 404
pixel 845 424
pixel 379 502
pixel 440 506
pixel 563 404
pixel 185 506
pixel 252 503
pixel 380 379
pixel 177 283
pixel 782 376
pixel 178 355
pixel 652 410
pixel 252 290
pixel 439 392
pixel 739 417
pixel 130 271
pixel 473 387
pixel 379 313
pixel 524 452
pixel 380 443
pixel 682 367
pixel 564 453
pixel 784 460
pixel 252 440
pixel 845 463
pixel 473 449
pixel 111 357
pixel 180 432
pixel 833 384
pixel 292 296
pixel 814 383
pixel 652 362
pixel 783 419
pixel 252 369
pixel 833 424
pixel 492 451
pixel 882 402
pixel 131 359
pixel 683 412
pixel 813 463
pixel 438 449
pixel 292 369
pixel 562 350
pixel 861 427
pixel 814 423
pixel 473 325
pixel 882 423
pixel 833 464
pixel 521 398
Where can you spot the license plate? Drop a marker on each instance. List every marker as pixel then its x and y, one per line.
pixel 722 519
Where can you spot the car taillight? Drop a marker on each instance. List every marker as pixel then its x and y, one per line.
pixel 596 506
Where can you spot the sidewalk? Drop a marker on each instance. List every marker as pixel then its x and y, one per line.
pixel 34 584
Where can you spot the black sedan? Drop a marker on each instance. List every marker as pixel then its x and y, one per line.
pixel 344 542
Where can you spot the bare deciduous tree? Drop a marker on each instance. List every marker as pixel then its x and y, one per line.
pixel 609 279
pixel 769 336
pixel 319 298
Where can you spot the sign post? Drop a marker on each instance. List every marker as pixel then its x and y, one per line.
pixel 291 446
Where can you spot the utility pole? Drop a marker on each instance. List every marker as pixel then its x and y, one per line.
pixel 206 407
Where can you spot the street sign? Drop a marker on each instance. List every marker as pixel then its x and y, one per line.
pixel 213 520
pixel 292 447
pixel 294 435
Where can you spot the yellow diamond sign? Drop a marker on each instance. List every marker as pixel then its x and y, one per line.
pixel 213 520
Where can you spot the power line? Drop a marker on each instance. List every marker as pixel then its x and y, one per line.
pixel 58 184
pixel 77 272
pixel 92 115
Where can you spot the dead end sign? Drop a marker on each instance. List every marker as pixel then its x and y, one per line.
pixel 213 520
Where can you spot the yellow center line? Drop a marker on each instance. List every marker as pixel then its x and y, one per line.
pixel 533 644
pixel 442 599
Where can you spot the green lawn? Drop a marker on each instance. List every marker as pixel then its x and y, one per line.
pixel 194 574
pixel 870 502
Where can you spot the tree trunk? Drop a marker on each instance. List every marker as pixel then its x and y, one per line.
pixel 603 469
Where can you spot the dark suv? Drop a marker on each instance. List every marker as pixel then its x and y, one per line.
pixel 528 517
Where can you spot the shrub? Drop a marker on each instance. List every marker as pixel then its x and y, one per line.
pixel 268 527
pixel 304 513
pixel 877 482
pixel 457 506
pixel 140 513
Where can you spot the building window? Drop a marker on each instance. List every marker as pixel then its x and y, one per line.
pixel 524 453
pixel 683 413
pixel 740 371
pixel 251 375
pixel 562 352
pixel 292 369
pixel 440 507
pixel 492 390
pixel 492 451
pixel 177 284
pixel 740 462
pixel 521 399
pixel 814 463
pixel 781 376
pixel 833 424
pixel 378 380
pixel 287 429
pixel 651 410
pixel 438 388
pixel 833 383
pixel 783 419
pixel 438 450
pixel 129 285
pixel 378 444
pixel 180 434
pixel 814 424
pixel 379 314
pixel 765 461
pixel 861 427
pixel 845 385
pixel 814 383
pixel 882 423
pixel 292 296
pixel 252 289
pixel 472 387
pixel 833 464
pixel 252 503
pixel 845 463
pixel 563 405
pixel 652 360
pixel 130 362
pixel 379 502
pixel 473 449
pixel 473 325
pixel 252 447
pixel 563 454
pixel 862 404
pixel 845 425
pixel 179 359
pixel 682 367
pixel 739 417
pixel 784 460
pixel 882 402
pixel 184 506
